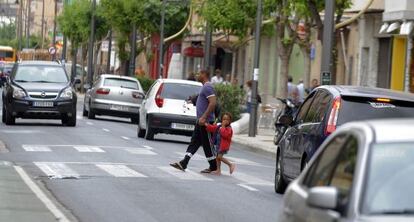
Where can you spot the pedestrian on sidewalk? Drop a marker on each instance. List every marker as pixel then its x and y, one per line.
pixel 222 134
pixel 205 106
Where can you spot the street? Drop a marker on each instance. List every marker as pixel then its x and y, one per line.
pixel 100 171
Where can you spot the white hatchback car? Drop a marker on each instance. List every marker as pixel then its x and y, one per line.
pixel 165 108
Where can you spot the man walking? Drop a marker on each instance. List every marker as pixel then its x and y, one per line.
pixel 205 105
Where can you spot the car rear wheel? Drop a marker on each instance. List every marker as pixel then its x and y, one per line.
pixel 140 132
pixel 84 113
pixel 91 113
pixel 3 117
pixel 10 119
pixel 280 184
pixel 149 132
pixel 135 120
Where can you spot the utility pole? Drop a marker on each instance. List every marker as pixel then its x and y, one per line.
pixel 28 23
pixel 108 64
pixel 20 31
pixel 161 44
pixel 43 23
pixel 133 50
pixel 91 45
pixel 207 47
pixel 328 35
pixel 256 63
pixel 54 31
pixel 65 40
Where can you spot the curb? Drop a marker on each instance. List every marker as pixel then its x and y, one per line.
pixel 252 145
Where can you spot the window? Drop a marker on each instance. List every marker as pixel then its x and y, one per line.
pixel 304 109
pixel 122 83
pixel 180 91
pixel 41 74
pixel 320 105
pixel 321 171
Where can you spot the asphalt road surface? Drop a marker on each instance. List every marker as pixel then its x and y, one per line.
pixel 100 171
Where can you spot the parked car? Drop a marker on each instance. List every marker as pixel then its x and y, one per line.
pixel 166 109
pixel 363 172
pixel 114 95
pixel 323 111
pixel 79 74
pixel 39 90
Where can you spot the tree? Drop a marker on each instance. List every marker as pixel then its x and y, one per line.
pixel 232 18
pixel 145 14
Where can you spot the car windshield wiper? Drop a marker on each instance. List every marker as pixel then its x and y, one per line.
pixel 126 87
pixel 20 80
pixel 395 212
pixel 44 81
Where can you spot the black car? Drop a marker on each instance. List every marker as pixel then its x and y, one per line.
pixel 39 90
pixel 325 109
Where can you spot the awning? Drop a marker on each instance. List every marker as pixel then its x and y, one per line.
pixel 397 27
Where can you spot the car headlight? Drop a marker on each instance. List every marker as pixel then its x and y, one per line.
pixel 18 93
pixel 67 94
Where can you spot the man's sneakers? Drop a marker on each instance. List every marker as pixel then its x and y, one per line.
pixel 178 166
pixel 208 170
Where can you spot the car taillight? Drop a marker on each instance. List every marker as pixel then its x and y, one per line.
pixel 158 99
pixel 137 95
pixel 103 91
pixel 333 116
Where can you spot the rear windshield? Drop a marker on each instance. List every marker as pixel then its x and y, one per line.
pixel 123 83
pixel 179 91
pixel 42 74
pixel 354 109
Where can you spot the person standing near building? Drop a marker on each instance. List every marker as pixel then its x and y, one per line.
pixel 205 105
pixel 301 91
pixel 217 79
pixel 293 92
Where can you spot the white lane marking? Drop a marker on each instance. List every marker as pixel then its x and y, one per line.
pixel 56 170
pixel 20 131
pixel 79 117
pixel 36 148
pixel 106 130
pixel 248 179
pixel 120 170
pixel 247 187
pixel 242 161
pixel 89 149
pixel 187 175
pixel 89 123
pixel 42 196
pixel 125 138
pixel 194 157
pixel 148 147
pixel 140 151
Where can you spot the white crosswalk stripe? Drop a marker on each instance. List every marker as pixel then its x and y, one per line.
pixel 56 170
pixel 89 149
pixel 248 179
pixel 35 148
pixel 120 170
pixel 141 151
pixel 187 175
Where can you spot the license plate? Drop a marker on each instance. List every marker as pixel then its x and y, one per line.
pixel 42 104
pixel 181 126
pixel 119 108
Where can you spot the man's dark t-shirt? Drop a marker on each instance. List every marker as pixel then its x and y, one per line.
pixel 206 92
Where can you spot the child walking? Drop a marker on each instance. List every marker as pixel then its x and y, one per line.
pixel 222 134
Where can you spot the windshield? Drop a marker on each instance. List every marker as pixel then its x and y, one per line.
pixel 180 91
pixel 44 74
pixel 389 186
pixel 123 83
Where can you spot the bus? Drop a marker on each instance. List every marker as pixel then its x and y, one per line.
pixel 7 54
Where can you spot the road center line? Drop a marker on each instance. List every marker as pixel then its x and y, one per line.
pixel 42 196
pixel 125 138
pixel 89 149
pixel 247 187
pixel 106 130
pixel 148 147
pixel 89 123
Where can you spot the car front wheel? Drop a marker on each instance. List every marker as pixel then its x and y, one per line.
pixel 140 132
pixel 3 117
pixel 280 184
pixel 149 133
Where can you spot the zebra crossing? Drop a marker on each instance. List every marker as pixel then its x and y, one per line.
pixel 144 150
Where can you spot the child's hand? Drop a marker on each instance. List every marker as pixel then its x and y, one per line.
pixel 206 124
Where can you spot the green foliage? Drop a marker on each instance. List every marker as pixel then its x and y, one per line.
pixel 229 97
pixel 7 31
pixel 233 17
pixel 146 82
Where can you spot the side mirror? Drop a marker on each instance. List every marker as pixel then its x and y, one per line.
pixel 286 120
pixel 323 197
pixel 76 81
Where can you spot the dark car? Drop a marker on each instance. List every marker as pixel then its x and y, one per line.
pixel 325 109
pixel 39 90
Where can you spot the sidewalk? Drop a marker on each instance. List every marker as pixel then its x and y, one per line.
pixel 262 142
pixel 18 202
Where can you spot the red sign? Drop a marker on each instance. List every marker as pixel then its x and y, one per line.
pixel 194 52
